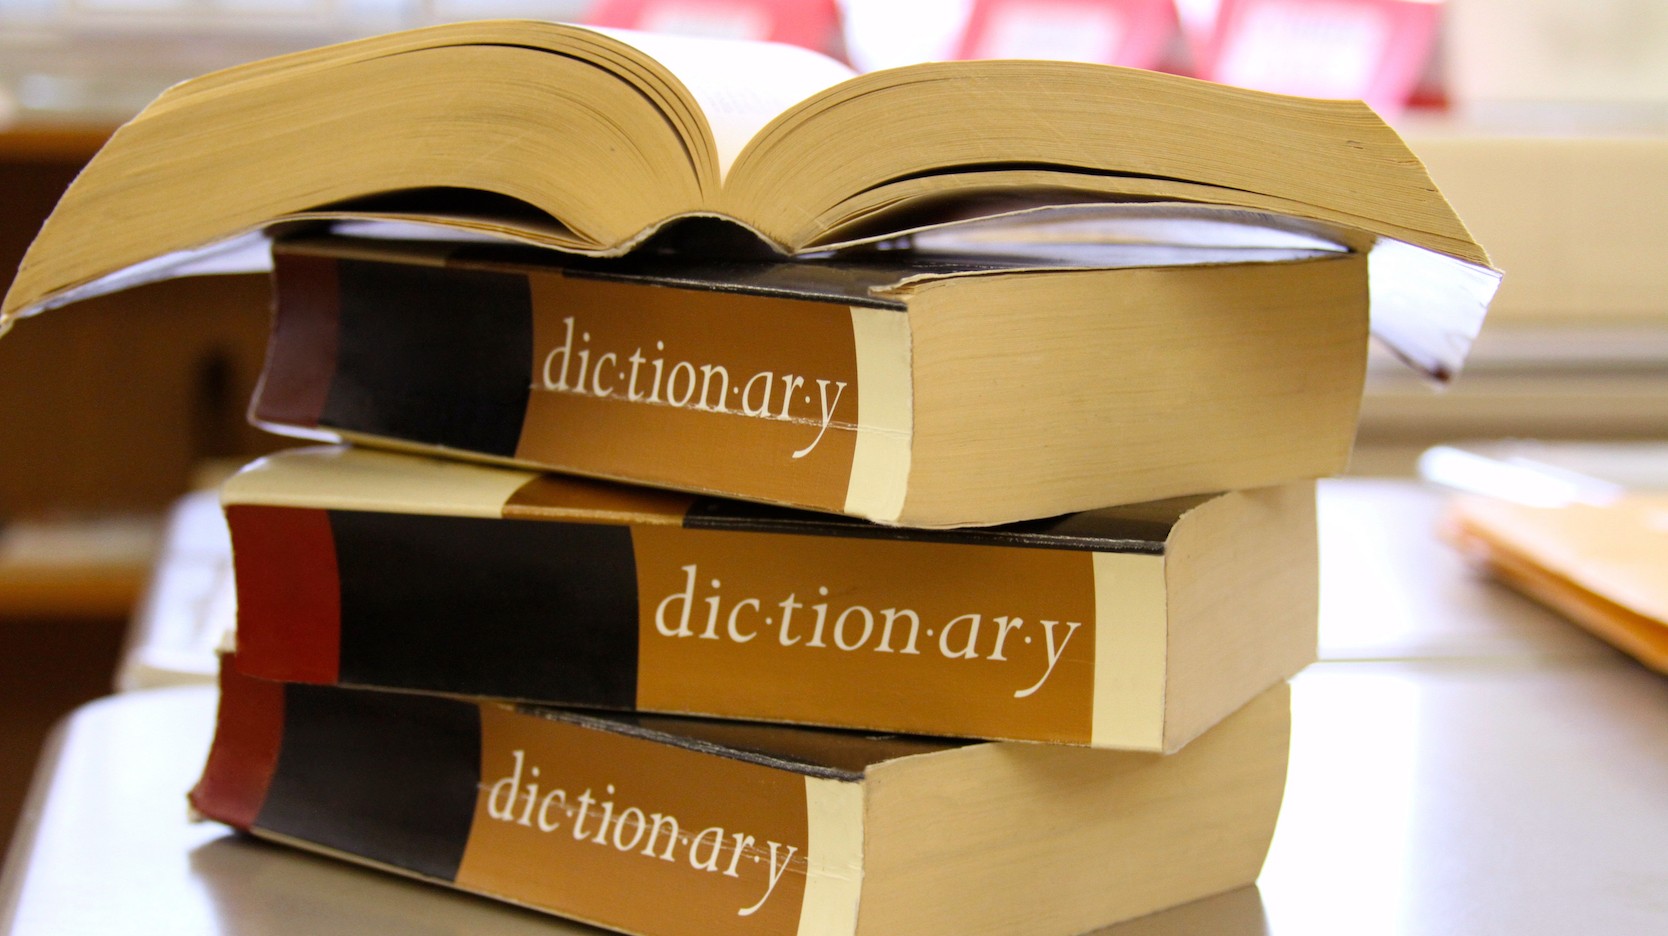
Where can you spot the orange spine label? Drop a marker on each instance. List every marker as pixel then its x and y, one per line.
pixel 740 392
pixel 934 638
pixel 633 833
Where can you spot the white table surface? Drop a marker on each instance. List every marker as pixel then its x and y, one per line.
pixel 1462 762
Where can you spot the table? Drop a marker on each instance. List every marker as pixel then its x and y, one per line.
pixel 1462 762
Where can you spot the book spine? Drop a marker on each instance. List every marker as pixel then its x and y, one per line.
pixel 753 395
pixel 932 637
pixel 560 815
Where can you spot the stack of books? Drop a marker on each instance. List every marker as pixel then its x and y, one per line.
pixel 913 576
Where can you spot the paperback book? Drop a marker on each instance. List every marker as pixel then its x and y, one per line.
pixel 592 141
pixel 925 391
pixel 1134 628
pixel 676 826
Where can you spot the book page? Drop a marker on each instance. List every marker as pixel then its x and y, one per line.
pixel 741 86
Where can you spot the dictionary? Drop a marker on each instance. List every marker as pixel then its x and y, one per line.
pixel 921 390
pixel 675 826
pixel 1133 628
pixel 592 141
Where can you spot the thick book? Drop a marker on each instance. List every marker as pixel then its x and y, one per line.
pixel 593 140
pixel 919 391
pixel 674 826
pixel 1135 628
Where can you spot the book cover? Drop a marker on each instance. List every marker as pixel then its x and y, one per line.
pixel 919 391
pixel 1132 628
pixel 668 826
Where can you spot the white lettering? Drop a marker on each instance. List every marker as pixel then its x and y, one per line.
pixel 597 389
pixel 827 414
pixel 967 652
pixel 775 875
pixel 707 370
pixel 840 627
pixel 511 788
pixel 790 383
pixel 715 847
pixel 638 825
pixel 685 597
pixel 892 614
pixel 546 824
pixel 1004 624
pixel 1053 653
pixel 765 380
pixel 735 632
pixel 672 395
pixel 566 351
pixel 658 834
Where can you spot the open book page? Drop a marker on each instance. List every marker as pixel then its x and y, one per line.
pixel 741 86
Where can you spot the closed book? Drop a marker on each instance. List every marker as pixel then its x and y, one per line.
pixel 1131 628
pixel 676 826
pixel 927 392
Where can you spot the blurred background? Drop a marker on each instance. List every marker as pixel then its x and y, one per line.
pixel 1544 121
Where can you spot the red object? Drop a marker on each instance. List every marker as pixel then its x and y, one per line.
pixel 813 24
pixel 1136 33
pixel 288 593
pixel 301 357
pixel 245 752
pixel 1374 50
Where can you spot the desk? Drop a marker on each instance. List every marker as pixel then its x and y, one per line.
pixel 1462 762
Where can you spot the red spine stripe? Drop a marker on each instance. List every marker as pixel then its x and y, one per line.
pixel 288 594
pixel 245 753
pixel 301 355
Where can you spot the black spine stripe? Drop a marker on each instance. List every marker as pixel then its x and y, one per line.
pixel 519 609
pixel 386 776
pixel 1112 530
pixel 431 355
